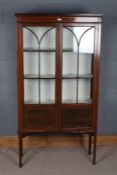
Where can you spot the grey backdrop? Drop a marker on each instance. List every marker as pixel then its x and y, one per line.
pixel 107 121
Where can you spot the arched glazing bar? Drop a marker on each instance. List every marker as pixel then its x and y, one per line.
pixel 84 34
pixel 39 41
pixel 78 45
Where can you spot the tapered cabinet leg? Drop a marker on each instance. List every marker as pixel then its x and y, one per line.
pixel 20 150
pixel 94 148
pixel 90 144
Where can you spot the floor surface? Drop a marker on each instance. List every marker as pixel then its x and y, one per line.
pixel 59 161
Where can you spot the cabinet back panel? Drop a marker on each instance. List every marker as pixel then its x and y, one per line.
pixel 39 119
pixel 74 118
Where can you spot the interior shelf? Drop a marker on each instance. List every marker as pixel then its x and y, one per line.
pixel 38 50
pixel 45 50
pixel 72 76
pixel 49 76
pixel 31 76
pixel 47 102
pixel 70 101
pixel 31 102
pixel 41 102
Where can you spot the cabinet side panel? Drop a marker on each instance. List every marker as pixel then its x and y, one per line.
pixel 19 77
pixel 95 83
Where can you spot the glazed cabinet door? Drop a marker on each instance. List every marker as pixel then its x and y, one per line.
pixel 77 75
pixel 39 77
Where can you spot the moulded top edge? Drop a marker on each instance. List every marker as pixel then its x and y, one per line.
pixel 80 18
pixel 49 14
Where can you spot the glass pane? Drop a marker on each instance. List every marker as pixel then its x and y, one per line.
pixel 47 64
pixel 39 50
pixel 78 48
pixel 84 91
pixel 69 64
pixel 79 38
pixel 29 39
pixel 69 91
pixel 77 58
pixel 39 44
pixel 87 41
pixel 31 91
pixel 67 38
pixel 35 36
pixel 49 39
pixel 85 64
pixel 30 63
pixel 47 90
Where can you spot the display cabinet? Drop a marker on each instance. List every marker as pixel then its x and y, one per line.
pixel 58 73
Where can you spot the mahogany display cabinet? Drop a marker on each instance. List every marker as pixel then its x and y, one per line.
pixel 58 75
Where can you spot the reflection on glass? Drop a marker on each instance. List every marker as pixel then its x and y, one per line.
pixel 47 90
pixel 31 91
